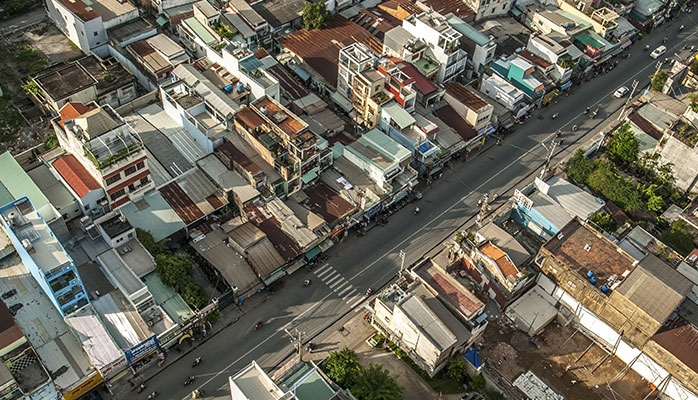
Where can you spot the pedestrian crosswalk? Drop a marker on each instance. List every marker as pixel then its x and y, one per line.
pixel 336 282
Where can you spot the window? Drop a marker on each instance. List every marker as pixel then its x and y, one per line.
pixel 113 179
pixel 144 181
pixel 131 187
pixel 130 235
pixel 130 170
pixel 140 165
pixel 95 33
pixel 117 194
pixel 504 6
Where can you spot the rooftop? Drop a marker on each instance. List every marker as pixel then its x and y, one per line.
pixel 581 248
pixel 449 290
pixel 327 203
pixel 30 229
pixel 55 191
pixel 655 287
pixel 95 339
pixel 428 322
pixel 75 175
pixel 15 183
pixel 320 48
pixel 200 30
pixel 572 198
pixel 120 274
pixel 279 12
pixel 505 264
pixel 107 9
pixel 168 299
pixel 468 98
pixel 455 7
pixel 65 80
pixel 115 225
pixel 505 242
pixel 247 13
pixel 230 152
pixel 153 214
pixel 448 115
pixel 278 115
pixel 680 338
pixel 291 88
pixel 286 247
pixel 376 21
pixel 235 270
pixel 260 252
pixel 193 196
pixel 253 383
pixel 229 181
pixel 399 115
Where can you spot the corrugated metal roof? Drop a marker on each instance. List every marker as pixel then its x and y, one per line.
pixel 398 114
pixel 153 214
pixel 95 339
pixel 384 144
pixel 119 272
pixel 235 270
pixel 226 179
pixel 264 258
pixel 19 184
pixel 427 322
pixel 571 197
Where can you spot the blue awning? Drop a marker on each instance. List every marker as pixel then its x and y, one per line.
pixel 473 357
pixel 424 147
pixel 312 253
pixel 566 85
pixel 301 73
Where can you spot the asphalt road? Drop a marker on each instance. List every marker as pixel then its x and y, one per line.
pixel 373 260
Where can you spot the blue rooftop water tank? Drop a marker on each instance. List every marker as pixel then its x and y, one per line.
pixel 604 289
pixel 228 88
pixel 241 87
pixel 590 273
pixel 593 280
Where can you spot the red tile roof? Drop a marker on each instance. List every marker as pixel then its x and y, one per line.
pixel 376 21
pixel 457 7
pixel 181 203
pixel 680 338
pixel 73 110
pixel 534 59
pixel 421 82
pixel 320 48
pixel 79 8
pixel 467 97
pixel 75 175
pixel 453 293
pixel 505 265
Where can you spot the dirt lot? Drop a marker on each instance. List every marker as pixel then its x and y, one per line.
pixel 567 360
pixel 23 124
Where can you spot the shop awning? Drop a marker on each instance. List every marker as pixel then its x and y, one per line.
pixel 161 21
pixel 309 177
pixel 566 85
pixel 312 253
pixel 342 102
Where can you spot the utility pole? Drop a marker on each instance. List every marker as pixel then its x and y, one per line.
pixel 549 157
pixel 297 340
pixel 630 96
pixel 402 264
pixel 484 207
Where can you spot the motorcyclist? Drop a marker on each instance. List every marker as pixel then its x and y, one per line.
pixel 575 127
pixel 197 361
pixel 647 47
pixel 306 282
pixel 416 211
pixel 559 133
pixel 681 28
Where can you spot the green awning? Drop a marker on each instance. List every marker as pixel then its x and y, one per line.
pixel 309 177
pixel 342 102
pixel 312 253
pixel 161 21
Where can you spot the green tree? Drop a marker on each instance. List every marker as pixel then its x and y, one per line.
pixel 315 15
pixel 174 270
pixel 50 141
pixel 603 220
pixel 612 186
pixel 658 80
pixel 579 167
pixel 148 241
pixel 478 382
pixel 376 383
pixel 342 367
pixel 678 237
pixel 456 369
pixel 194 294
pixel 623 147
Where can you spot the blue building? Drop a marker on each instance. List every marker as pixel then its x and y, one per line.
pixel 44 256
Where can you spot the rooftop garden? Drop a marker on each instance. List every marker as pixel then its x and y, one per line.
pixel 112 158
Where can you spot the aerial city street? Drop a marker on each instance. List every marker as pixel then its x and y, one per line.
pixel 282 199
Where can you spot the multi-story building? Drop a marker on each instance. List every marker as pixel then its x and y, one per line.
pixel 353 60
pixel 443 42
pixel 519 72
pixel 550 50
pixel 105 145
pixel 44 256
pixel 369 95
pixel 86 22
pixel 284 141
pixel 399 84
pixel 471 107
pixel 480 48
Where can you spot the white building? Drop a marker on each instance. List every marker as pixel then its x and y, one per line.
pixel 85 23
pixel 443 42
pixel 504 92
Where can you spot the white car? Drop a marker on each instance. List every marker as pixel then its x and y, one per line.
pixel 658 52
pixel 621 92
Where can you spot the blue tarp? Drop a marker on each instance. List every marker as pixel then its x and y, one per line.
pixel 472 357
pixel 424 147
